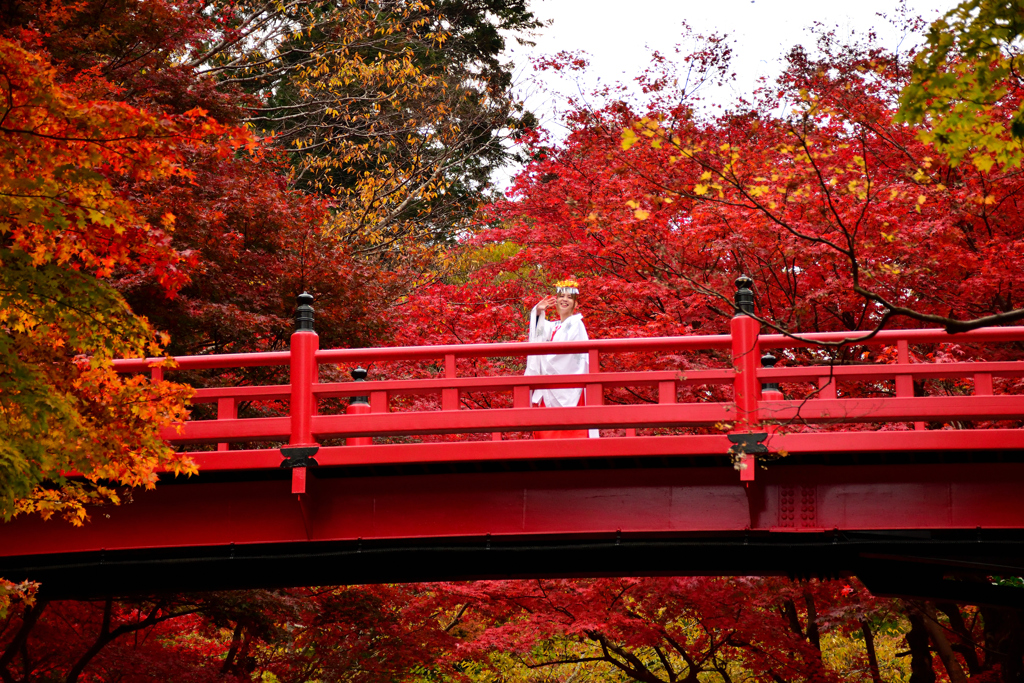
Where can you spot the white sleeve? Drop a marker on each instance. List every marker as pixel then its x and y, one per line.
pixel 539 326
pixel 567 363
pixel 537 330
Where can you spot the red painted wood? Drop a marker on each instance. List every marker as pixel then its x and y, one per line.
pixel 542 505
pixel 303 368
pixel 746 360
pixel 932 408
pixel 891 337
pixel 827 388
pixel 983 384
pixel 436 385
pixel 213 431
pixel 715 445
pixel 304 427
pixel 358 409
pixel 276 392
pixel 518 419
pixel 227 409
pixel 876 372
pixel 212 361
pixel 650 344
pixel 298 480
pixel 346 356
pixel 746 356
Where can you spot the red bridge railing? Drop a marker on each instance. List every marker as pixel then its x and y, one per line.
pixel 755 420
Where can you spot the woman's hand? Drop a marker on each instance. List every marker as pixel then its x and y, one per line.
pixel 545 302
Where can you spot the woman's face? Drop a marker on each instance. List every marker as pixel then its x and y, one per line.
pixel 565 304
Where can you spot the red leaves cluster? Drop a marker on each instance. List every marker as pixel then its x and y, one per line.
pixel 839 213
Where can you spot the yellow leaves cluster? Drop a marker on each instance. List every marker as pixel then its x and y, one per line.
pixel 638 213
pixel 393 131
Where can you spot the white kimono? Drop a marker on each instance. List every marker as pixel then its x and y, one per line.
pixel 570 329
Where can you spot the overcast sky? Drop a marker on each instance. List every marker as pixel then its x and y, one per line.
pixel 619 36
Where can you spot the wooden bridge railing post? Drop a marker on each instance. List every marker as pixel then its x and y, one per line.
pixel 301 448
pixel 746 357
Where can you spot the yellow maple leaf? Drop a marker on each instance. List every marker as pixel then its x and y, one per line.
pixel 628 138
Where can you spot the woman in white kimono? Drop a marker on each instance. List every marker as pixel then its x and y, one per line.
pixel 568 327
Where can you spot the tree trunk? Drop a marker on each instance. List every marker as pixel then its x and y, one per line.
pixel 812 621
pixel 966 647
pixel 921 670
pixel 28 621
pixel 942 647
pixel 1004 643
pixel 789 611
pixel 236 641
pixel 102 639
pixel 869 643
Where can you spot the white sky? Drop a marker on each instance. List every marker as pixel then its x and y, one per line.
pixel 619 35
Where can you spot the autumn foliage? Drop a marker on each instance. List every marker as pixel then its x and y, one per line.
pixel 648 630
pixel 65 229
pixel 174 173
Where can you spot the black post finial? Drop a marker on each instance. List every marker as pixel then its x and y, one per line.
pixel 769 361
pixel 359 375
pixel 304 312
pixel 745 295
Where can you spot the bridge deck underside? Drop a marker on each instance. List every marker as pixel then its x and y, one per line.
pixel 231 530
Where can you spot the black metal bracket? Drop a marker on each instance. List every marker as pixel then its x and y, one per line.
pixel 748 443
pixel 299 456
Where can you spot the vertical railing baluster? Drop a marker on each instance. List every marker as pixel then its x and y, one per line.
pixel 227 409
pixel 983 384
pixel 449 396
pixel 827 387
pixel 595 390
pixel 905 383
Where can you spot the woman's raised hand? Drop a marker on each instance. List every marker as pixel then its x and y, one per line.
pixel 545 302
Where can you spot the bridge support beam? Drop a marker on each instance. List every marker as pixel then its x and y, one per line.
pixel 196 534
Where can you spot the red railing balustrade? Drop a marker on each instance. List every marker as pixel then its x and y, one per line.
pixel 757 420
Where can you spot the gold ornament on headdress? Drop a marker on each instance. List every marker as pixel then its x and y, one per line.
pixel 567 287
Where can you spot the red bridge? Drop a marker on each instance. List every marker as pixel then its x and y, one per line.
pixel 832 480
